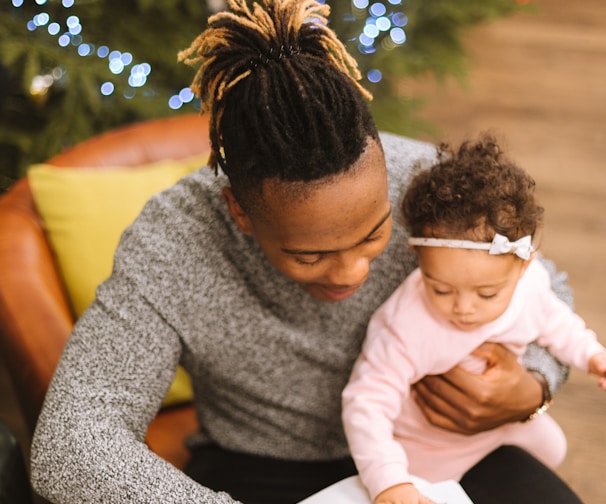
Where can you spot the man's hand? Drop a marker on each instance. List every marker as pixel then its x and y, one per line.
pixel 468 403
pixel 405 493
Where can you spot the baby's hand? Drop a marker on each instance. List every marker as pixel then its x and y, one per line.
pixel 404 493
pixel 597 366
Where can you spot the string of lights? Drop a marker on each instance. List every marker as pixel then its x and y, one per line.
pixel 383 28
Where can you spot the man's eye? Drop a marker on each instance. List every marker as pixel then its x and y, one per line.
pixel 308 260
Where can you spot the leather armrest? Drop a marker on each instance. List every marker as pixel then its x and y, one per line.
pixel 36 318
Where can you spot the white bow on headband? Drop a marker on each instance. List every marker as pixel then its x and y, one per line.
pixel 500 245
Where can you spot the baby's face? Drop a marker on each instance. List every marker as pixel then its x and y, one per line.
pixel 469 288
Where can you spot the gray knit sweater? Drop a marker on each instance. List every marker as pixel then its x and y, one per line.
pixel 268 361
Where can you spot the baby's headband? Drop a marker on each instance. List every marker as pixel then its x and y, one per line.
pixel 500 245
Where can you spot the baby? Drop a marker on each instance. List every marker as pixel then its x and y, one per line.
pixel 473 222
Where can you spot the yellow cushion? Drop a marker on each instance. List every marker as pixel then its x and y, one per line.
pixel 85 212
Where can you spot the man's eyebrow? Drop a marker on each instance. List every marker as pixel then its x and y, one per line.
pixel 319 252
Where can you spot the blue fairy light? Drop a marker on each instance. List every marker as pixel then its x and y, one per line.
pixel 64 40
pixel 102 51
pixel 377 9
pixel 399 19
pixel 17 3
pixel 367 49
pixel 84 50
pixel 174 102
pixel 116 66
pixel 367 44
pixel 360 4
pixel 31 26
pixel 374 75
pixel 186 95
pixel 371 31
pixel 41 19
pixel 107 88
pixel 72 21
pixel 126 58
pixel 383 23
pixel 146 67
pixel 67 3
pixel 137 70
pixel 54 28
pixel 398 35
pixel 136 80
pixel 365 40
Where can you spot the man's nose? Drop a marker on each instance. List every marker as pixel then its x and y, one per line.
pixel 348 269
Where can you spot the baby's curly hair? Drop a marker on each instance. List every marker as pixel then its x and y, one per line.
pixel 472 193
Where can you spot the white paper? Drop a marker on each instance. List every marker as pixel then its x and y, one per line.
pixel 351 491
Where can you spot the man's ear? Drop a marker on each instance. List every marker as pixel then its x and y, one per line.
pixel 236 212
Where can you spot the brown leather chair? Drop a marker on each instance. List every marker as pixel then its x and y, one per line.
pixel 35 317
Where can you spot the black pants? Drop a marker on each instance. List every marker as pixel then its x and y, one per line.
pixel 509 475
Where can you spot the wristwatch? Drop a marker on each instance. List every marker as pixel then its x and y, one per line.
pixel 546 401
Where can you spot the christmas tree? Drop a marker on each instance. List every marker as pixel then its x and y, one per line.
pixel 73 68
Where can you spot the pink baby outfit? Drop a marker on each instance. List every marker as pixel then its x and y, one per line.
pixel 388 435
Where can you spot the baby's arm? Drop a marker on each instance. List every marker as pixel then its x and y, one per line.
pixel 372 400
pixel 405 493
pixel 597 366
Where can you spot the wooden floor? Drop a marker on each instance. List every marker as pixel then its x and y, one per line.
pixel 539 82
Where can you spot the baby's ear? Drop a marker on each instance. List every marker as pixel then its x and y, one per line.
pixel 526 262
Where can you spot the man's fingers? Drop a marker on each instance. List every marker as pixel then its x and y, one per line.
pixel 462 380
pixel 439 401
pixel 491 352
pixel 437 393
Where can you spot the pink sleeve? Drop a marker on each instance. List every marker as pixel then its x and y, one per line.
pixel 372 400
pixel 564 333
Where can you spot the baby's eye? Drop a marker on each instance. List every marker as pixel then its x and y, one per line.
pixel 440 292
pixel 488 296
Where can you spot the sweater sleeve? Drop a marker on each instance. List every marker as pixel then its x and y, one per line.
pixel 89 442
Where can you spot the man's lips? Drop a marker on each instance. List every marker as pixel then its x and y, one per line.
pixel 338 293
